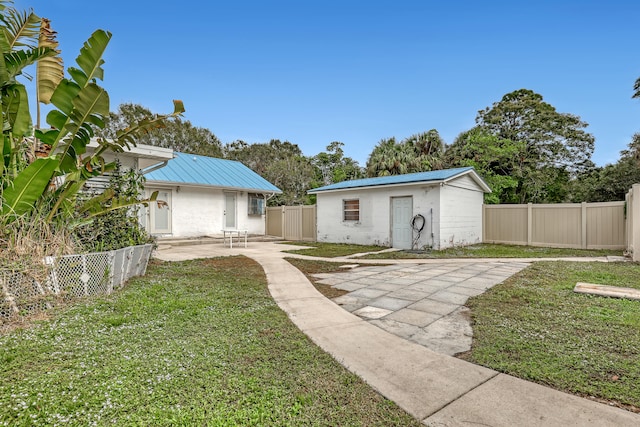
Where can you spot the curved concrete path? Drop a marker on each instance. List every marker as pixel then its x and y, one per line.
pixel 437 389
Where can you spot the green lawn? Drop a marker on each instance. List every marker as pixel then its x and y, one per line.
pixel 192 343
pixel 483 250
pixel 332 250
pixel 535 327
pixel 486 250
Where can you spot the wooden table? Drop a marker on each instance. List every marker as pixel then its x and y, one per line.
pixel 231 233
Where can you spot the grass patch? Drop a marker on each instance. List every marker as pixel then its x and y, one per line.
pixel 486 250
pixel 535 327
pixel 192 343
pixel 311 267
pixel 332 250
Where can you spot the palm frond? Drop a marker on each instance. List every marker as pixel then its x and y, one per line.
pixel 21 29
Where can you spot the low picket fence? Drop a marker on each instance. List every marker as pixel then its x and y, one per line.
pixel 69 277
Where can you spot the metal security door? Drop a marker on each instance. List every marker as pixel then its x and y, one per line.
pixel 229 211
pixel 401 213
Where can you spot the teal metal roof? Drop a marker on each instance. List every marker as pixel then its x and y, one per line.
pixel 200 170
pixel 410 178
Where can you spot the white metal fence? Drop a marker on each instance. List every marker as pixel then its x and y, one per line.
pixel 71 276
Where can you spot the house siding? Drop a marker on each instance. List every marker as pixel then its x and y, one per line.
pixel 461 214
pixel 197 212
pixel 374 227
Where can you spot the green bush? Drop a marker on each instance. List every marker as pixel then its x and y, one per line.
pixel 117 228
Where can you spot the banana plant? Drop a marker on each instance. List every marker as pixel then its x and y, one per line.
pixel 81 106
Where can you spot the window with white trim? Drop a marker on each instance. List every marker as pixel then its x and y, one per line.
pixel 351 210
pixel 256 204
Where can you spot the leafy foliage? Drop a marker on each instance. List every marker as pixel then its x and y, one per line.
pixel 491 157
pixel 611 182
pixel 538 150
pixel 417 153
pixel 116 228
pixel 332 166
pixel 281 163
pixel 43 172
pixel 179 134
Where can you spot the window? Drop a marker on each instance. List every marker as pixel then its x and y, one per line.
pixel 351 210
pixel 256 204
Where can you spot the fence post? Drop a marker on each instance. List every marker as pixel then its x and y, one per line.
pixel 529 223
pixel 583 237
pixel 635 221
pixel 283 222
pixel 484 223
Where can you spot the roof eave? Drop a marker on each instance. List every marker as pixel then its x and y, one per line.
pixel 474 175
pixel 155 183
pixel 401 184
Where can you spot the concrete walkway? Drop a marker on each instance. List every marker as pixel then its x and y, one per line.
pixel 437 389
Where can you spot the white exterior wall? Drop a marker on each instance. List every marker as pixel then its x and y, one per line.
pixel 374 227
pixel 461 213
pixel 199 211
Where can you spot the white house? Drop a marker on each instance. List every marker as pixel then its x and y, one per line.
pixel 436 209
pixel 205 195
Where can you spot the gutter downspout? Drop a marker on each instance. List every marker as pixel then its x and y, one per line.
pixel 154 167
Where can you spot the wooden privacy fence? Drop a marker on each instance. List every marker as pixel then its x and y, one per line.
pixel 292 222
pixel 565 225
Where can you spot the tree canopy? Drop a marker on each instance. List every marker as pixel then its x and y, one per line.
pixel 281 163
pixel 332 166
pixel 417 153
pixel 179 134
pixel 539 149
pixel 611 182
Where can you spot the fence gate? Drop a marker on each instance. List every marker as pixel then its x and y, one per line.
pixel 292 222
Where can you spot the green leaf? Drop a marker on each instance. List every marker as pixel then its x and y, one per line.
pixel 15 108
pixel 27 187
pixel 21 29
pixel 90 58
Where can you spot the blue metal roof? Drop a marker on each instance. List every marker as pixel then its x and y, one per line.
pixel 200 170
pixel 431 176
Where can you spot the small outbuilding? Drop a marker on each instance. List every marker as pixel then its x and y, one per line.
pixel 204 195
pixel 435 209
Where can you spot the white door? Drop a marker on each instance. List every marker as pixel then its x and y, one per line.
pixel 229 219
pixel 160 213
pixel 401 213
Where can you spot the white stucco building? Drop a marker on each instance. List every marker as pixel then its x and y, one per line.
pixel 390 211
pixel 205 195
pixel 200 196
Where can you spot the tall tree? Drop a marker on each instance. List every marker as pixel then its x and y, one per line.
pixel 552 147
pixel 332 166
pixel 493 158
pixel 281 163
pixel 179 134
pixel 417 153
pixel 611 182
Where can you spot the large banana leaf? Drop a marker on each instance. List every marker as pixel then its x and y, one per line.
pixel 49 71
pixel 80 102
pixel 15 109
pixel 28 187
pixel 90 58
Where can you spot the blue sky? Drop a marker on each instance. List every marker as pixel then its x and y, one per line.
pixel 313 72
